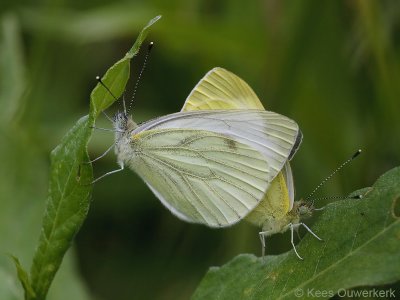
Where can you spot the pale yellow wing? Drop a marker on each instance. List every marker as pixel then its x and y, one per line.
pixel 288 176
pixel 274 205
pixel 211 166
pixel 201 176
pixel 221 89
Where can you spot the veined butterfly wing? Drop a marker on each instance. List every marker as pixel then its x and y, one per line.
pixel 289 183
pixel 221 89
pixel 212 167
pixel 270 133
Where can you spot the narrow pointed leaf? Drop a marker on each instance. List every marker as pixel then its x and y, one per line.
pixel 24 279
pixel 70 182
pixel 117 76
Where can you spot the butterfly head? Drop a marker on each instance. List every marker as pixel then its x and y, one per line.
pixel 123 123
pixel 303 209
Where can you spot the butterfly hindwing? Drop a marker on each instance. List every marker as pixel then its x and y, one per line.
pixel 221 89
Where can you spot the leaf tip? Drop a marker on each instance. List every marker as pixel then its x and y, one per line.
pixel 23 278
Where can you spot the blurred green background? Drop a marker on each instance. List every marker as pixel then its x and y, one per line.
pixel 333 66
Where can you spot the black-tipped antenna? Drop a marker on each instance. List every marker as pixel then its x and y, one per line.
pixel 140 75
pixel 108 90
pixel 333 173
pixel 336 198
pixel 106 87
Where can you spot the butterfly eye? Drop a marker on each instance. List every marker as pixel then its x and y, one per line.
pixel 303 209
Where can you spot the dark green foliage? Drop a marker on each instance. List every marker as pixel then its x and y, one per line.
pixel 361 247
pixel 333 66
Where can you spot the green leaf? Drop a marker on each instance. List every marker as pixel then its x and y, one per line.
pixel 70 183
pixel 24 279
pixel 117 76
pixel 361 247
pixel 142 35
pixel 67 205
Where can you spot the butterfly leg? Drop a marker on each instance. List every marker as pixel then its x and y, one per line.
pixel 262 239
pixel 101 156
pixel 106 129
pixel 321 208
pixel 108 117
pixel 292 227
pixel 101 128
pixel 310 231
pixel 108 173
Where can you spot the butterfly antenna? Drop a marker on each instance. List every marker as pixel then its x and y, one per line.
pixel 108 90
pixel 330 176
pixel 140 75
pixel 359 196
pixel 123 103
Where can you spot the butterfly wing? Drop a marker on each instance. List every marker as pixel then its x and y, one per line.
pixel 221 89
pixel 272 134
pixel 201 176
pixel 289 184
pixel 274 205
pixel 212 167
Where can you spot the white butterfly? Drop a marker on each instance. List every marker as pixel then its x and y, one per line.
pixel 208 166
pixel 277 211
pixel 211 166
pixel 221 159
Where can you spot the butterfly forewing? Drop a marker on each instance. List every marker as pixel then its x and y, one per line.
pixel 201 176
pixel 212 167
pixel 271 134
